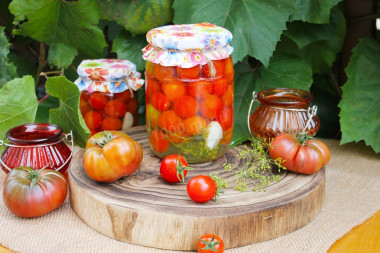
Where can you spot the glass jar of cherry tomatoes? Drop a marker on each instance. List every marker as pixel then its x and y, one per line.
pixel 189 91
pixel 108 100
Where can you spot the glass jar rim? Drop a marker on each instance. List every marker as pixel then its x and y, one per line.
pixel 275 97
pixel 13 134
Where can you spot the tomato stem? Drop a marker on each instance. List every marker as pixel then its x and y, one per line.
pixel 181 169
pixel 33 176
pixel 210 245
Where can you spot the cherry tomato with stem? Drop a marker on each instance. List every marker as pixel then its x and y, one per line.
pixel 210 243
pixel 174 168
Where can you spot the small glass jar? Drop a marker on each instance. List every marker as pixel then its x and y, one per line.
pixel 38 145
pixel 283 110
pixel 189 91
pixel 108 100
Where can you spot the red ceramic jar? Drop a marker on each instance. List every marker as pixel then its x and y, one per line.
pixel 38 145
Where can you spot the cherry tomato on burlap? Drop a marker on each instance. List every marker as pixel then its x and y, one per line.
pixel 210 243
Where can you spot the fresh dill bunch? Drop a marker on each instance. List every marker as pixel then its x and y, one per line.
pixel 257 167
pixel 220 184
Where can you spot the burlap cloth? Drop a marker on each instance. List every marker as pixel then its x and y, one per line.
pixel 352 196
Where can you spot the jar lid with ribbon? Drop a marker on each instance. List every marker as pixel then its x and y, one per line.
pixel 187 45
pixel 108 75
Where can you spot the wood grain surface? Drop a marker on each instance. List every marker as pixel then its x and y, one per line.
pixel 143 209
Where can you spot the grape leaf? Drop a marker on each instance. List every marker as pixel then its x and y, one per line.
pixel 284 70
pixel 53 21
pixel 61 55
pixel 128 47
pixel 360 114
pixel 314 11
pixel 263 22
pixel 7 69
pixel 67 115
pixel 138 17
pixel 18 103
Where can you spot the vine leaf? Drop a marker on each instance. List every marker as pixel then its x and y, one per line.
pixel 7 69
pixel 18 103
pixel 360 114
pixel 67 115
pixel 138 17
pixel 264 21
pixel 61 55
pixel 284 70
pixel 314 11
pixel 72 23
pixel 129 48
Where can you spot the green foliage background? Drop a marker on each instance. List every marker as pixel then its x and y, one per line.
pixel 277 43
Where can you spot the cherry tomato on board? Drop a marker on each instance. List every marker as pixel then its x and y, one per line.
pixel 110 155
pixel 210 243
pixel 174 168
pixel 299 155
pixel 32 193
pixel 201 188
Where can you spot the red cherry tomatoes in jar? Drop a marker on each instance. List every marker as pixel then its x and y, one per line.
pixel 219 68
pixel 171 122
pixel 186 106
pixel 32 193
pixel 97 99
pixel 124 96
pixel 164 73
pixel 160 102
pixel 110 155
pixel 152 86
pixel 194 125
pixel 188 73
pixel 174 168
pixel 211 106
pixel 219 86
pixel 225 118
pixel 93 120
pixel 158 141
pixel 115 108
pixel 210 243
pixel 173 90
pixel 201 188
pixel 228 96
pixel 299 155
pixel 199 89
pixel 111 123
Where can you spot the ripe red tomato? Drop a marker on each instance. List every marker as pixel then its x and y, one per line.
pixel 32 193
pixel 194 125
pixel 210 243
pixel 201 188
pixel 123 96
pixel 199 89
pixel 110 155
pixel 160 102
pixel 228 96
pixel 174 168
pixel 152 86
pixel 299 157
pixel 97 99
pixel 226 118
pixel 84 107
pixel 211 107
pixel 115 108
pixel 188 73
pixel 111 123
pixel 229 69
pixel 186 106
pixel 93 120
pixel 158 141
pixel 164 73
pixel 171 122
pixel 219 86
pixel 173 90
pixel 219 68
pixel 132 106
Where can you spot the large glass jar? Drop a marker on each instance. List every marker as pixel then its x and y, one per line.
pixel 38 145
pixel 189 91
pixel 283 110
pixel 108 100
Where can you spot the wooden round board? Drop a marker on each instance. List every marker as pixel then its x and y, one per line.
pixel 143 209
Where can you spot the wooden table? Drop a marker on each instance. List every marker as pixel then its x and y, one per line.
pixel 363 238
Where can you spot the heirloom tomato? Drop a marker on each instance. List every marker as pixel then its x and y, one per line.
pixel 110 155
pixel 300 155
pixel 32 193
pixel 174 168
pixel 201 188
pixel 209 243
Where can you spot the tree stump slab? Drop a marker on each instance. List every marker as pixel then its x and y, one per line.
pixel 143 209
